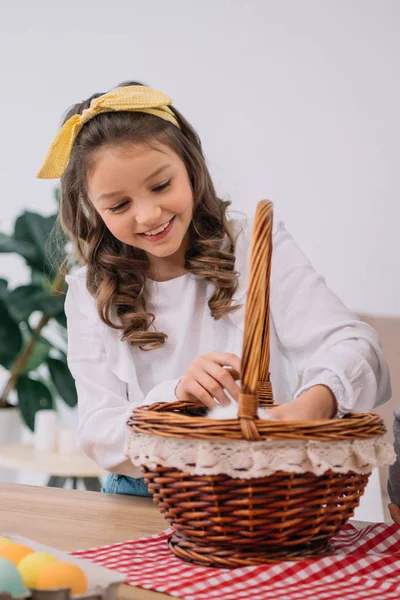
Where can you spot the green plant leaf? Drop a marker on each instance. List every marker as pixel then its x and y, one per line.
pixel 20 300
pixel 61 320
pixel 38 240
pixel 39 278
pixel 34 229
pixel 22 247
pixel 32 396
pixel 3 289
pixel 28 298
pixel 10 337
pixel 63 380
pixel 39 355
pixel 41 338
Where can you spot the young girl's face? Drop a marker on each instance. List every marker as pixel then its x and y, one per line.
pixel 144 196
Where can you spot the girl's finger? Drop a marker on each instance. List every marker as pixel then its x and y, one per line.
pixel 222 376
pixel 212 386
pixel 225 359
pixel 194 388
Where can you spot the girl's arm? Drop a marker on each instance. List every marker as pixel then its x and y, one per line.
pixel 103 405
pixel 325 342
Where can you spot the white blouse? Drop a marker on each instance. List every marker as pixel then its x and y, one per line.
pixel 313 336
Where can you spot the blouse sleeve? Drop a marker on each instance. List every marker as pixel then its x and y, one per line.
pixel 103 404
pixel 325 342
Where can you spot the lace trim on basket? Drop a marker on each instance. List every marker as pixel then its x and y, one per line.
pixel 244 460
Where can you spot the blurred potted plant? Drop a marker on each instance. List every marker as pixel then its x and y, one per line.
pixel 36 365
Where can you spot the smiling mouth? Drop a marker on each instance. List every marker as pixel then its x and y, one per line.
pixel 157 230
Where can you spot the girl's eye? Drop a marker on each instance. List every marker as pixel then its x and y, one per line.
pixel 162 187
pixel 114 209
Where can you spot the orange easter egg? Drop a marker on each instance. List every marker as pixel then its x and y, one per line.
pixel 15 552
pixel 62 575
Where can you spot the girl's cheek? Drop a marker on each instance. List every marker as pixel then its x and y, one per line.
pixel 182 201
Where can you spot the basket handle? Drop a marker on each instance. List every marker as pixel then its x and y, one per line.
pixel 256 350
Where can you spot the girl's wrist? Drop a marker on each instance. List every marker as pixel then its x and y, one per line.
pixel 321 401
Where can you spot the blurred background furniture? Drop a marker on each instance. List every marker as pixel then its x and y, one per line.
pixel 74 469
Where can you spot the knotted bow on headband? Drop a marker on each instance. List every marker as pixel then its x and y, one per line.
pixel 137 98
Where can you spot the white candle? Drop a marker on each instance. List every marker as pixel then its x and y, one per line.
pixel 46 430
pixel 67 442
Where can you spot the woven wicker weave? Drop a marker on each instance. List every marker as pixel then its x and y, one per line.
pixel 229 522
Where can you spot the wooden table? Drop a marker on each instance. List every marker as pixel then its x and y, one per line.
pixel 72 520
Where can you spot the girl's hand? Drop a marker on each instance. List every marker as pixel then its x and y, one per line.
pixel 316 403
pixel 206 379
pixel 395 513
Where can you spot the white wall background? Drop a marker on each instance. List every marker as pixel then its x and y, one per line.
pixel 296 101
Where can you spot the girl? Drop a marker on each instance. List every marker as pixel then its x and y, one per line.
pixel 157 311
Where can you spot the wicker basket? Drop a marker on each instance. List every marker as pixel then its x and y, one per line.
pixel 230 522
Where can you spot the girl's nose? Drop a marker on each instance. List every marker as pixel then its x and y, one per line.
pixel 148 216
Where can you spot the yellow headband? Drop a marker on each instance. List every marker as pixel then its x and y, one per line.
pixel 136 98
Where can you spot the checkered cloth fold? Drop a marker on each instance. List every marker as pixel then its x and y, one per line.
pixel 366 564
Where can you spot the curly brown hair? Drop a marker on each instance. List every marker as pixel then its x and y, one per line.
pixel 116 272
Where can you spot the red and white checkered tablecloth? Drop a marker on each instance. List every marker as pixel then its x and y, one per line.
pixel 366 564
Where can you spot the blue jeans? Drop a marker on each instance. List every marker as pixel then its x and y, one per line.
pixel 122 484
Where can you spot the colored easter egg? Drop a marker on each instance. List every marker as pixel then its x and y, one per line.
pixel 32 565
pixel 15 552
pixel 4 541
pixel 62 575
pixel 10 579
